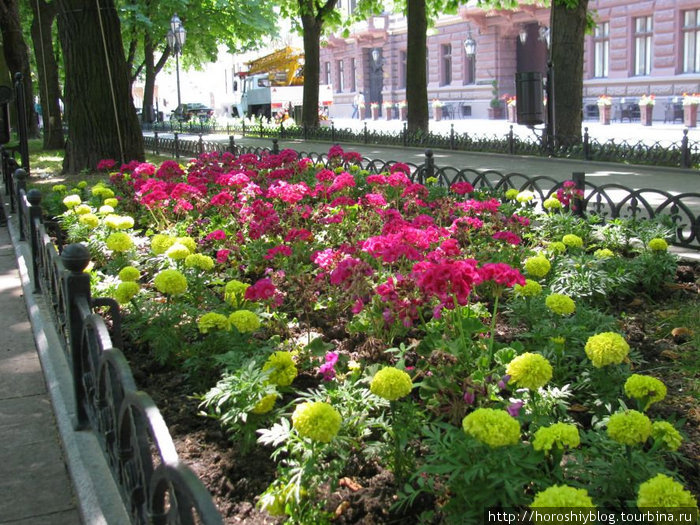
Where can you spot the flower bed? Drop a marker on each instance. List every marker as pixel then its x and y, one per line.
pixel 397 350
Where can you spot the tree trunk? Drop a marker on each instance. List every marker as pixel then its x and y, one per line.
pixel 417 84
pixel 568 26
pixel 17 57
pixel 47 68
pixel 312 68
pixel 148 112
pixel 101 117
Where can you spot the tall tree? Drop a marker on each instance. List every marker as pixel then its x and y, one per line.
pixel 102 121
pixel 17 56
pixel 47 72
pixel 417 82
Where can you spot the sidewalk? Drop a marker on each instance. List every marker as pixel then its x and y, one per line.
pixel 35 488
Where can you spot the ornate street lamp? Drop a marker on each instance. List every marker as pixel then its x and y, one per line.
pixel 176 40
pixel 523 34
pixel 470 46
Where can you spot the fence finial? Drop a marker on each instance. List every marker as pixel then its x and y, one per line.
pixel 75 257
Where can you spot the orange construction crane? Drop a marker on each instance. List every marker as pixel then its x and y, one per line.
pixel 284 67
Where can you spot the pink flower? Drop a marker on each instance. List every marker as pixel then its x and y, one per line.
pixel 216 235
pixel 261 290
pixel 461 188
pixel 448 280
pixel 328 368
pixel 501 273
pixel 222 255
pixel 507 236
pixel 282 250
pixel 294 235
pixel 106 164
pixel 375 200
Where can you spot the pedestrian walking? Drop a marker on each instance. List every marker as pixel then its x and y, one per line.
pixel 358 105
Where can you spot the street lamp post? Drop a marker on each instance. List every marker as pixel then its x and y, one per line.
pixel 176 40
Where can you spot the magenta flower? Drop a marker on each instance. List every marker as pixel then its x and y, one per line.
pixel 327 369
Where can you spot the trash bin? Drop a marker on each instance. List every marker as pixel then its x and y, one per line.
pixel 529 93
pixel 298 114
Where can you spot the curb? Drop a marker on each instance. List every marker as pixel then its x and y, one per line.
pixel 98 498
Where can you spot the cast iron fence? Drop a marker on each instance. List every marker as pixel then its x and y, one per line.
pixel 156 486
pixel 682 153
pixel 607 201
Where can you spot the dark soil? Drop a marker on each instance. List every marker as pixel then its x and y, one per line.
pixel 365 496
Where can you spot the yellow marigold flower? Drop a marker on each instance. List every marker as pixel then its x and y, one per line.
pixel 126 291
pixel 82 184
pixel 607 348
pixel 658 245
pixel 177 252
pixel 629 427
pixel 101 191
pixel 265 404
pixel 559 497
pixel 391 383
pixel 572 241
pixel 129 273
pixel 213 321
pixel 234 292
pixel 161 242
pixel 119 242
pixel 558 435
pixel 58 188
pixel 111 202
pixel 83 209
pixel 560 304
pixel 552 203
pixel 170 282
pixel 494 427
pixel 537 266
pixel 603 253
pixel 511 194
pixel 245 321
pixel 71 201
pixel 112 221
pixel 197 260
pixel 557 247
pixel 189 242
pixel 89 219
pixel 104 209
pixel 529 289
pixel 646 389
pixel 529 371
pixel 282 368
pixel 663 492
pixel 665 433
pixel 524 196
pixel 317 421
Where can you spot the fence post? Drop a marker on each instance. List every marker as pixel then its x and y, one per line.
pixel 34 198
pixel 155 142
pixel 177 148
pixel 685 150
pixel 511 141
pixel 281 129
pixel 452 136
pixel 261 129
pixel 243 125
pixel 76 289
pixel 365 133
pixel 332 132
pixel 429 171
pixel 405 134
pixel 579 179
pixel 306 132
pixel 201 144
pixel 20 176
pixel 232 144
pixel 586 144
pixel 275 147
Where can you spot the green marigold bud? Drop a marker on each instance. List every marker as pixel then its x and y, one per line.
pixel 83 209
pixel 245 321
pixel 213 321
pixel 111 202
pixel 559 497
pixel 317 421
pixel 126 291
pixel 663 492
pixel 665 433
pixel 170 282
pixel 629 427
pixel 391 383
pixel 537 266
pixel 494 427
pixel 529 371
pixel 572 241
pixel 658 245
pixel 82 184
pixel 552 203
pixel 197 260
pixel 512 194
pixel 189 242
pixel 161 242
pixel 558 435
pixel 603 253
pixel 89 219
pixel 556 247
pixel 265 404
pixel 234 292
pixel 282 368
pixel 607 348
pixel 529 289
pixel 129 273
pixel 71 201
pixel 58 188
pixel 560 304
pixel 119 242
pixel 101 191
pixel 645 389
pixel 177 252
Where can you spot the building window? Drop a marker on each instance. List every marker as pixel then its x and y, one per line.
pixel 691 41
pixel 601 49
pixel 328 73
pixel 353 74
pixel 402 69
pixel 446 61
pixel 341 77
pixel 642 45
pixel 469 76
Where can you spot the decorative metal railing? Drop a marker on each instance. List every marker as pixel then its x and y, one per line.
pixel 156 487
pixel 682 153
pixel 607 201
